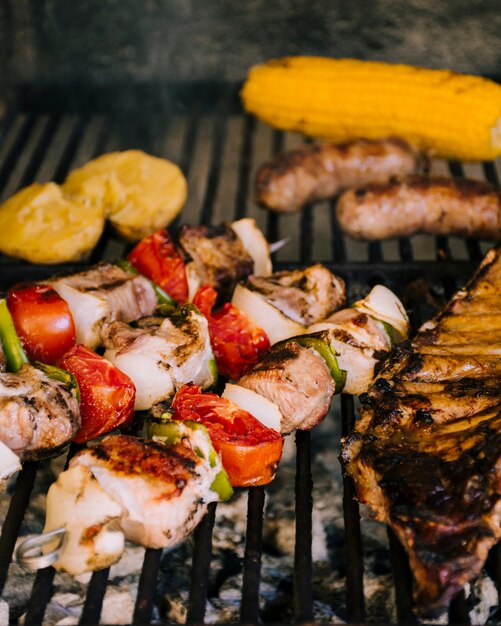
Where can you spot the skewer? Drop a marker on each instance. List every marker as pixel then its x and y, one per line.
pixel 29 552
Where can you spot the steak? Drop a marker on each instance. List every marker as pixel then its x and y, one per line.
pixel 426 452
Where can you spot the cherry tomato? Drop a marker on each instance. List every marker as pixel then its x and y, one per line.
pixel 238 344
pixel 107 395
pixel 43 321
pixel 157 258
pixel 250 451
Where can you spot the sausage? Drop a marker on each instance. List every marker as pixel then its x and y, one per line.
pixel 322 170
pixel 421 204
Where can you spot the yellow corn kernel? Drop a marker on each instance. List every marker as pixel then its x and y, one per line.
pixel 454 116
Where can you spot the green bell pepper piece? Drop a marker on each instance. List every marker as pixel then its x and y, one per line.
pixel 14 351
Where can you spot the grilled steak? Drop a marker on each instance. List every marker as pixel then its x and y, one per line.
pixel 218 254
pixel 426 453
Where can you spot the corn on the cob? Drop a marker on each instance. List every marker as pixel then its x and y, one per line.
pixel 454 116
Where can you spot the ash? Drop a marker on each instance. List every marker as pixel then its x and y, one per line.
pixel 225 584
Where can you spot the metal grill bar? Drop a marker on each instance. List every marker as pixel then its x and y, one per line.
pixel 303 568
pixel 249 610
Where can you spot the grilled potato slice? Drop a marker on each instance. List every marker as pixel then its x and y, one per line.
pixel 41 224
pixel 140 193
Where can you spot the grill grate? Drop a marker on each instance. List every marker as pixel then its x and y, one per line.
pixel 218 148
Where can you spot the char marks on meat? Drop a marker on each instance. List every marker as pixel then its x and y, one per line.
pixel 219 256
pixel 306 296
pixel 38 415
pixel 297 380
pixel 426 453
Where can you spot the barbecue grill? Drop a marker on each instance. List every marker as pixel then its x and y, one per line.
pixel 218 147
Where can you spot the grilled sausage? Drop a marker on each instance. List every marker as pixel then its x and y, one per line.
pixel 420 204
pixel 320 171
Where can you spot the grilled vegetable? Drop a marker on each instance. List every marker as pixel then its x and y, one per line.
pixel 157 258
pixel 266 411
pixel 236 341
pixel 106 394
pixel 162 296
pixel 12 347
pixel 139 193
pixel 43 321
pixel 275 324
pixel 249 451
pixel 452 115
pixel 255 244
pixel 41 224
pixel 101 294
pixel 9 462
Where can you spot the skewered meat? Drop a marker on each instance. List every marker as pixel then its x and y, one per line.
pixel 297 380
pixel 124 487
pixel 160 354
pixel 419 204
pixel 219 257
pixel 426 453
pixel 320 171
pixel 102 294
pixel 306 296
pixel 38 415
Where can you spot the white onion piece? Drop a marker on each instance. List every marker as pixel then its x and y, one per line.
pixel 9 462
pixel 194 281
pixel 255 244
pixel 266 411
pixel 384 305
pixel 274 323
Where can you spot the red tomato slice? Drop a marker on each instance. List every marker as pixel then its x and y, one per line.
pixel 43 321
pixel 250 451
pixel 107 395
pixel 157 258
pixel 238 344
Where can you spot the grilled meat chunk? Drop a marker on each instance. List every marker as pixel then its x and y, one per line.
pixel 160 354
pixel 124 487
pixel 218 254
pixel 102 294
pixel 306 296
pixel 38 415
pixel 420 204
pixel 297 380
pixel 321 170
pixel 426 452
pixel 359 341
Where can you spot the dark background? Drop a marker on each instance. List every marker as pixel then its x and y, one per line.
pixel 106 42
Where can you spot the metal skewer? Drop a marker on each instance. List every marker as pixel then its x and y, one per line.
pixel 29 552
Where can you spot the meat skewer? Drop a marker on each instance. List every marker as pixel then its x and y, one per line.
pixel 426 452
pixel 127 488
